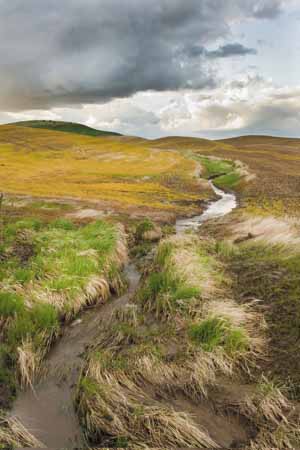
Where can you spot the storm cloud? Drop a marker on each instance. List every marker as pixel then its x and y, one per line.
pixel 229 50
pixel 61 53
pixel 223 51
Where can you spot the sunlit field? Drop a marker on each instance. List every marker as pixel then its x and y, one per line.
pixel 46 163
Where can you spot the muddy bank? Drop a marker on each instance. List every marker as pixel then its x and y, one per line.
pixel 48 411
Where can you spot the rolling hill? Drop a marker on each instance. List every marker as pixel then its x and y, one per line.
pixel 48 163
pixel 68 127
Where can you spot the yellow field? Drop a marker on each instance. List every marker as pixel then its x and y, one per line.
pixel 53 164
pixel 274 161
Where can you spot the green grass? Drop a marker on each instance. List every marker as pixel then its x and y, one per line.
pixel 215 167
pixel 42 318
pixel 38 261
pixel 229 181
pixel 164 290
pixel 64 256
pixel 223 172
pixel 217 332
pixel 68 127
pixel 181 269
pixel 142 227
pixel 62 224
pixel 11 229
pixel 11 304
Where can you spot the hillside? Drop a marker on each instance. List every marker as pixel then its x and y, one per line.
pixel 274 161
pixel 68 127
pixel 45 163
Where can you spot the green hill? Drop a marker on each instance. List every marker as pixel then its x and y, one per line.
pixel 68 127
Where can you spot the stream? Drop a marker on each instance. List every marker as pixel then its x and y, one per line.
pixel 47 411
pixel 224 205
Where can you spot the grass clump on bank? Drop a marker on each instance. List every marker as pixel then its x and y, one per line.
pixel 174 342
pixel 184 272
pixel 48 272
pixel 217 332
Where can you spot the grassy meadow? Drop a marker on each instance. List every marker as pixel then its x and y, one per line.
pixel 44 163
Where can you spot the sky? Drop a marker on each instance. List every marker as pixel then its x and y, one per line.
pixel 152 68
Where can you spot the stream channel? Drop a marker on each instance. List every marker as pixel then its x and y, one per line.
pixel 47 410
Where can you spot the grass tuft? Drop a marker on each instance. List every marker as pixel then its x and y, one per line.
pixel 217 332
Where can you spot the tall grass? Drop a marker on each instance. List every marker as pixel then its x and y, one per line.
pixel 184 271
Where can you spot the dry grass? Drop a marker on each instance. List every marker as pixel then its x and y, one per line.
pixel 197 269
pixel 14 435
pixel 140 363
pixel 119 407
pixel 185 274
pixel 276 419
pixel 270 230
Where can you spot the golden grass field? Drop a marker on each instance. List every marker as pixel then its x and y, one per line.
pixel 53 164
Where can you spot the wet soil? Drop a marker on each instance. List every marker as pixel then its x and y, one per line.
pixel 48 410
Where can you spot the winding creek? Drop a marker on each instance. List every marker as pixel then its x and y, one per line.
pixel 224 205
pixel 47 411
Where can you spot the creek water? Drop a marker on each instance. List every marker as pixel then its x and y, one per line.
pixel 47 410
pixel 224 205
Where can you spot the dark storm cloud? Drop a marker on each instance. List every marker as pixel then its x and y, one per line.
pixel 223 51
pixel 228 50
pixel 57 53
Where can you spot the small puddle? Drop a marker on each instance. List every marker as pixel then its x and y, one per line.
pixel 215 209
pixel 48 411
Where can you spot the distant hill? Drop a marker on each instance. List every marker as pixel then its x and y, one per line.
pixel 260 140
pixel 68 127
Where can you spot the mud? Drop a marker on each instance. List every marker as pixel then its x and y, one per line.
pixel 48 410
